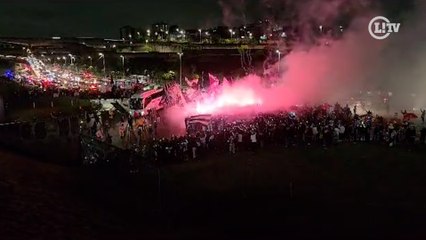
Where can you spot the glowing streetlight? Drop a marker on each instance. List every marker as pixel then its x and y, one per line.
pixel 91 61
pixel 232 33
pixel 122 62
pixel 71 59
pixel 180 54
pixel 101 55
pixel 279 60
pixel 199 30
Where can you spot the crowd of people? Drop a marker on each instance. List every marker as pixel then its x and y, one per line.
pixel 320 126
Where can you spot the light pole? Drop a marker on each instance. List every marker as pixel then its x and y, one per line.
pixel 208 36
pixel 101 55
pixel 232 33
pixel 71 59
pixel 91 61
pixel 180 67
pixel 182 35
pixel 199 30
pixel 122 62
pixel 65 60
pixel 279 60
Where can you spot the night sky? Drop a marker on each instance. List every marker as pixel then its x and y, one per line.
pixel 103 18
pixel 99 17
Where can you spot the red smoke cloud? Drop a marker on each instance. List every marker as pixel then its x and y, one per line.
pixel 335 71
pixel 324 73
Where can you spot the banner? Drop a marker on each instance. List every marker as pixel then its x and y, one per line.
pixel 174 94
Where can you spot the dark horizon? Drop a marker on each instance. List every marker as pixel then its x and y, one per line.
pixel 103 19
pixel 47 18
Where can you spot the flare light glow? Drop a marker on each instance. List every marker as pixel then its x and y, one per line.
pixel 229 100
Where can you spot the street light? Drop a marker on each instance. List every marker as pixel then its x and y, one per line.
pixel 279 60
pixel 71 59
pixel 232 33
pixel 122 61
pixel 91 61
pixel 101 55
pixel 180 67
pixel 199 30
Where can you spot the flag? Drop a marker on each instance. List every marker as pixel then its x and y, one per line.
pixel 192 83
pixel 174 94
pixel 154 104
pixel 214 81
pixel 191 93
pixel 409 116
pixel 203 119
pixel 226 83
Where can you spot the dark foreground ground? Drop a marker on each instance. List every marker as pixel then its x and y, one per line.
pixel 352 191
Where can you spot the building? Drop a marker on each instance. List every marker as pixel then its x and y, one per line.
pixel 220 33
pixel 193 35
pixel 174 33
pixel 129 33
pixel 160 31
